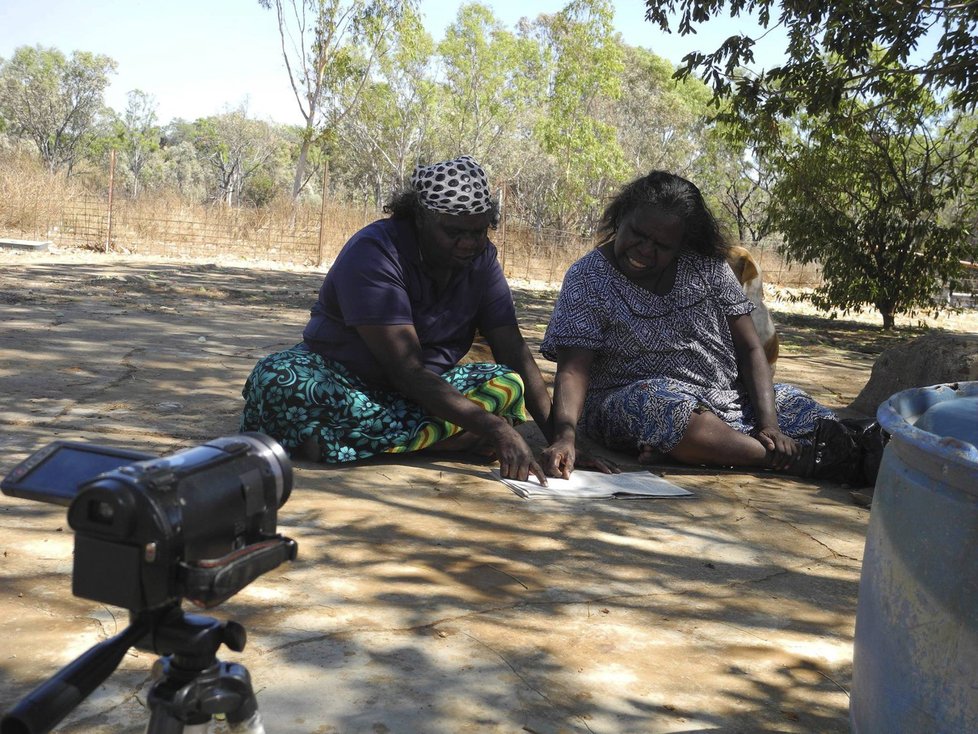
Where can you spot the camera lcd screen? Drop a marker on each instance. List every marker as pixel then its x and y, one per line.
pixel 55 473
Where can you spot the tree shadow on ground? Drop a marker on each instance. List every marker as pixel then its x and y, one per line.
pixel 426 597
pixel 801 331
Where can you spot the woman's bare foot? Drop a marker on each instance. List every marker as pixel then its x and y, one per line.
pixel 649 455
pixel 308 450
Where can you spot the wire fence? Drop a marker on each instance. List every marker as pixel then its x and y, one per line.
pixel 306 235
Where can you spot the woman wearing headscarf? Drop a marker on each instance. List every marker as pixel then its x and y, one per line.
pixel 378 368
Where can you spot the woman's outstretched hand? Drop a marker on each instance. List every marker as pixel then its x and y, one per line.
pixel 516 459
pixel 783 450
pixel 597 463
pixel 561 458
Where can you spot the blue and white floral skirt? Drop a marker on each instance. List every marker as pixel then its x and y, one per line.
pixel 654 413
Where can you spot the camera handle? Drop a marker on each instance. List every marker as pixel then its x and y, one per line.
pixel 193 684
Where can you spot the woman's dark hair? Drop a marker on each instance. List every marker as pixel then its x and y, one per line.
pixel 407 205
pixel 674 195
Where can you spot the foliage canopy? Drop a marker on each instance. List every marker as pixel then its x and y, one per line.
pixel 873 198
pixel 54 100
pixel 861 134
pixel 831 51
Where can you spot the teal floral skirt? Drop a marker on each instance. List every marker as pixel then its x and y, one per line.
pixel 297 395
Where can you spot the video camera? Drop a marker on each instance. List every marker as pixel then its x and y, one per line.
pixel 199 524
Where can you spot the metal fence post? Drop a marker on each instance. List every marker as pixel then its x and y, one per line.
pixel 322 218
pixel 108 233
pixel 502 227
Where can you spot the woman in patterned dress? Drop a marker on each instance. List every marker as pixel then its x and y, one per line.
pixel 377 370
pixel 656 349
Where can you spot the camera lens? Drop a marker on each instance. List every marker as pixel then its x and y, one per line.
pixel 275 462
pixel 274 457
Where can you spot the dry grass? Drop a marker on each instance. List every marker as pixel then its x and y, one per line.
pixel 27 196
pixel 34 204
pixel 37 205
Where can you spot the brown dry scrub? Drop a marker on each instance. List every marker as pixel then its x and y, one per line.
pixel 37 205
pixel 29 196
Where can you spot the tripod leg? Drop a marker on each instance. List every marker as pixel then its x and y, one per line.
pixel 171 726
pixel 253 725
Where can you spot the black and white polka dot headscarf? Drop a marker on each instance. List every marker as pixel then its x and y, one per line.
pixel 453 187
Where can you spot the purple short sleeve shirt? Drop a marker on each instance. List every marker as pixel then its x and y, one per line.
pixel 378 279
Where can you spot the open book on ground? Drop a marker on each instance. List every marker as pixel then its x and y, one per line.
pixel 591 485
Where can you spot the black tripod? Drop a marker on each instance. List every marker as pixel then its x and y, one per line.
pixel 192 685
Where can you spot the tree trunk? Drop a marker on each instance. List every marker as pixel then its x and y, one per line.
pixel 889 317
pixel 300 166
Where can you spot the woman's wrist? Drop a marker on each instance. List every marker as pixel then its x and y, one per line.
pixel 565 433
pixel 766 425
pixel 496 426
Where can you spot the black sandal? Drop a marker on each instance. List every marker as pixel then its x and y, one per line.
pixel 848 451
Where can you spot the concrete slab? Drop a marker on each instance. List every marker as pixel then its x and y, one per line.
pixel 33 245
pixel 426 597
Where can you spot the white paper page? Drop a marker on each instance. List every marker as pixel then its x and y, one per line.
pixel 596 485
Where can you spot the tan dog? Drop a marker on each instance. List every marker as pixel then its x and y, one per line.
pixel 748 274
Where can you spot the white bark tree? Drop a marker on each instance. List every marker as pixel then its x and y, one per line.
pixel 325 44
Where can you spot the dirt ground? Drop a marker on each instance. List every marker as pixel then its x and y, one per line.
pixel 427 597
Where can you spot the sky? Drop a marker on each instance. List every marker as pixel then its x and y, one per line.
pixel 201 57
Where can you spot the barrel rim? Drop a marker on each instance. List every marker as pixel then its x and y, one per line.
pixel 892 416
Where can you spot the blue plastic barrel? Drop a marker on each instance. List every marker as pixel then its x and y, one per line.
pixel 915 662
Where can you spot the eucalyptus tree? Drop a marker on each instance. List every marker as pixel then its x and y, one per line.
pixel 137 135
pixel 390 125
pixel 53 100
pixel 481 62
pixel 327 44
pixel 582 60
pixel 737 183
pixel 235 147
pixel 661 122
pixel 176 166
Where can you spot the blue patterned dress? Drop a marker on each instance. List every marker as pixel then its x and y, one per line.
pixel 659 358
